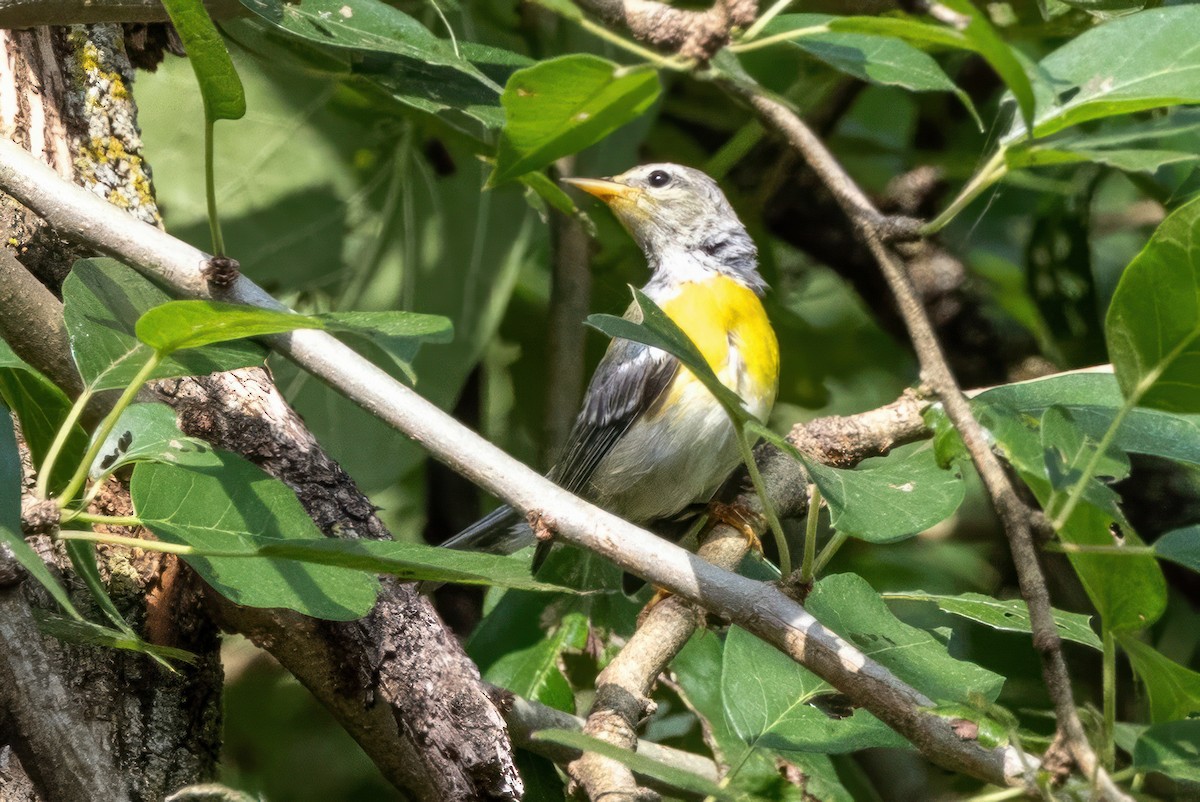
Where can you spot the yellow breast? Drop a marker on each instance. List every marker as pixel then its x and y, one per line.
pixel 727 322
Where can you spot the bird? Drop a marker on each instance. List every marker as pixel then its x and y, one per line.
pixel 650 441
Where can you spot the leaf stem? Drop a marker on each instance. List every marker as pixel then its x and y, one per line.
pixel 1085 548
pixel 768 15
pixel 657 59
pixel 993 171
pixel 105 429
pixel 774 39
pixel 785 557
pixel 79 516
pixel 831 548
pixel 810 532
pixel 60 440
pixel 143 543
pixel 210 189
pixel 1108 751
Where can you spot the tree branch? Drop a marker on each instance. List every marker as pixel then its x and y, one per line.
pixel 758 607
pixel 36 13
pixel 623 688
pixel 1013 514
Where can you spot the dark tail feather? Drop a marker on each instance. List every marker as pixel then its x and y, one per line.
pixel 503 531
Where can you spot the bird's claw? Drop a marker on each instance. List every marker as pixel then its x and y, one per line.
pixel 740 518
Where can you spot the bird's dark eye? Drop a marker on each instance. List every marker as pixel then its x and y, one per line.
pixel 659 178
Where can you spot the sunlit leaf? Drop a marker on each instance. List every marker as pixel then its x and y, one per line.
pixel 220 87
pixel 1174 690
pixel 1009 615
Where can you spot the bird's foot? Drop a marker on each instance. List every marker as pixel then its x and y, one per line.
pixel 740 518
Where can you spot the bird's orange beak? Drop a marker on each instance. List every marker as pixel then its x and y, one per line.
pixel 605 189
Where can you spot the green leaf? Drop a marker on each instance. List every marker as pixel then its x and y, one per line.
pixel 90 634
pixel 1009 615
pixel 399 334
pixel 533 672
pixel 217 508
pixel 1092 400
pixel 83 559
pixel 769 703
pixel 1153 322
pixel 1131 63
pixel 42 408
pixel 639 764
pixel 1180 546
pixel 882 60
pixel 1066 451
pixel 1128 159
pixel 102 300
pixel 846 604
pixel 366 25
pixel 409 561
pixel 985 41
pixel 180 325
pixel 10 518
pixel 149 432
pixel 907 28
pixel 220 87
pixel 698 668
pixel 889 499
pixel 659 331
pixel 1172 748
pixel 564 105
pixel 1174 691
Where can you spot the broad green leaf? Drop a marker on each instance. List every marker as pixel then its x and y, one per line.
pixel 10 518
pixel 883 60
pixel 180 325
pixel 1009 615
pixel 149 432
pixel 639 764
pixel 1174 691
pixel 1180 546
pixel 1092 401
pixel 366 25
pixel 1067 451
pixel 91 634
pixel 847 605
pixel 444 91
pixel 769 703
pixel 1131 63
pixel 42 408
pixel 976 35
pixel 534 673
pixel 1172 749
pixel 220 87
pixel 752 772
pixel 1153 322
pixel 891 498
pixel 217 508
pixel 1128 159
pixel 1128 590
pixel 564 105
pixel 102 301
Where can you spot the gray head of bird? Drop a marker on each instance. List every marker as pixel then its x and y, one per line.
pixel 680 218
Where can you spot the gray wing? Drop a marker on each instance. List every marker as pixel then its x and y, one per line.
pixel 629 382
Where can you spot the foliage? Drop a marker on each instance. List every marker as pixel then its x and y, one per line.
pixel 397 160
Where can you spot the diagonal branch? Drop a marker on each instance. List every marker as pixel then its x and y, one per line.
pixel 758 607
pixel 1013 514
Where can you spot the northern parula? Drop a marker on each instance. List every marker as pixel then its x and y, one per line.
pixel 651 440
